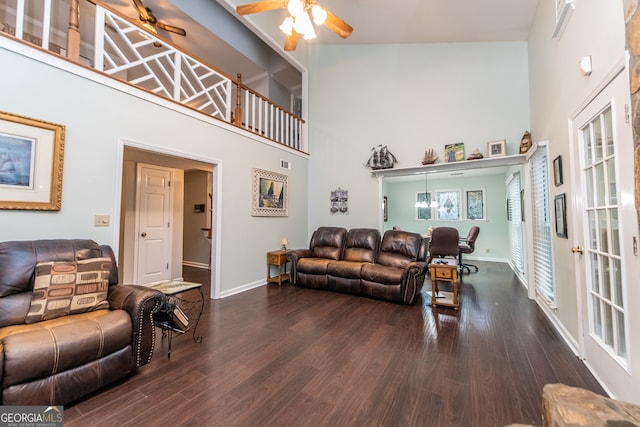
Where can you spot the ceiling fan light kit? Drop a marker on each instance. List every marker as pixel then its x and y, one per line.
pixel 299 20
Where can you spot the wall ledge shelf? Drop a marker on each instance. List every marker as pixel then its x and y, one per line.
pixel 488 162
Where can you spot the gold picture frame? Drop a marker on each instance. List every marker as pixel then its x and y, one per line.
pixel 270 194
pixel 31 163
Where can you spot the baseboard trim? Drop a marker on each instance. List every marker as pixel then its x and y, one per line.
pixel 195 264
pixel 242 288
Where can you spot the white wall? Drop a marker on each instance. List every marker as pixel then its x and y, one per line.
pixel 595 28
pixel 411 98
pixel 97 118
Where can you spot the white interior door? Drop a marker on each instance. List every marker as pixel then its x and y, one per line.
pixel 606 237
pixel 154 202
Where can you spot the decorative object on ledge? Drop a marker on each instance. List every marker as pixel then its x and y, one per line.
pixel 31 160
pixel 339 201
pixel 430 157
pixel 514 159
pixel 475 155
pixel 270 194
pixel 557 171
pixel 454 152
pixel 525 142
pixel 381 158
pixel 497 148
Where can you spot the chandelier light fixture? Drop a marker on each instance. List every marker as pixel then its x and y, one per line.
pixel 300 20
pixel 423 203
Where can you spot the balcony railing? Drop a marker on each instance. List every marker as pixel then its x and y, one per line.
pixel 120 48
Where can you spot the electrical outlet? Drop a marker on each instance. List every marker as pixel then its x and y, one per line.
pixel 488 250
pixel 101 220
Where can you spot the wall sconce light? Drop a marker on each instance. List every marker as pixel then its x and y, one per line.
pixel 585 65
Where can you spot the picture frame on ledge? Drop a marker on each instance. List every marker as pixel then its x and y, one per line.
pixel 270 195
pixel 31 163
pixel 454 152
pixel 497 148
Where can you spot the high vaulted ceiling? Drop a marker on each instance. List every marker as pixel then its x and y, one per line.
pixel 427 21
pixel 374 22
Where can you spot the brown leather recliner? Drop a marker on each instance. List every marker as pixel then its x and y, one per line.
pixel 55 351
pixel 359 262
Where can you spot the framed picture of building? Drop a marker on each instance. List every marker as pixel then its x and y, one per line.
pixel 270 195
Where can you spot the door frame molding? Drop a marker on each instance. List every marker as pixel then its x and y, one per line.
pixel 216 185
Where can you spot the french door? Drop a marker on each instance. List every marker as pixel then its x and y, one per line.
pixel 605 237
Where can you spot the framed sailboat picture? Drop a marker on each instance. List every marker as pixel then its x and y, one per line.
pixel 31 161
pixel 270 196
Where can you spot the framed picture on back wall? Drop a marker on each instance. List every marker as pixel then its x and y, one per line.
pixel 475 203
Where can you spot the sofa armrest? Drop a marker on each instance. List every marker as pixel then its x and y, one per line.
pixel 293 256
pixel 140 302
pixel 413 278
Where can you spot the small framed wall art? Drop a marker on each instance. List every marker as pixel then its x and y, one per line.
pixel 557 171
pixel 497 148
pixel 31 161
pixel 270 196
pixel 561 216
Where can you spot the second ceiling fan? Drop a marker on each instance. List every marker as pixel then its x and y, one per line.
pixel 149 21
pixel 299 21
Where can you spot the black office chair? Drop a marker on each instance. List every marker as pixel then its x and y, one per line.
pixel 467 246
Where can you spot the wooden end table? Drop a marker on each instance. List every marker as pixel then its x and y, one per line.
pixel 278 259
pixel 444 270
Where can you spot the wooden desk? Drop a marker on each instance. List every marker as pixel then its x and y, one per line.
pixel 278 259
pixel 444 270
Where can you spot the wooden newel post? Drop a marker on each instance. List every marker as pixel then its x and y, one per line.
pixel 73 32
pixel 238 110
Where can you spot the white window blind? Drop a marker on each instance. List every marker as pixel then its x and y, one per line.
pixel 514 215
pixel 542 260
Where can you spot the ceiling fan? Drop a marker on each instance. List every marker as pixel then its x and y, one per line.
pixel 149 21
pixel 299 21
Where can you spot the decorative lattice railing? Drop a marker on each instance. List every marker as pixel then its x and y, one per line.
pixel 127 51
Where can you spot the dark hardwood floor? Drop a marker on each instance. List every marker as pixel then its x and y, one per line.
pixel 282 356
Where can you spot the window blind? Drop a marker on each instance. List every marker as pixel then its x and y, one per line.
pixel 514 215
pixel 542 260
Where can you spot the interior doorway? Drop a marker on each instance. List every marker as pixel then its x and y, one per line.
pixel 180 168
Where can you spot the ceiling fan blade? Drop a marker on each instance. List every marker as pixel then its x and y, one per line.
pixel 291 41
pixel 142 11
pixel 261 6
pixel 337 25
pixel 171 28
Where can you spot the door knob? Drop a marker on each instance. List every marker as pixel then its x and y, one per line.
pixel 143 234
pixel 577 250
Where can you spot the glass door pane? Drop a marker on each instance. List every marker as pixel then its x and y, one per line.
pixel 607 315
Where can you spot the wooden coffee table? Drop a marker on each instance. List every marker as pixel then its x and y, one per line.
pixel 444 270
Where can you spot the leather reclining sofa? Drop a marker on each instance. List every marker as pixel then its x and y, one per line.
pixel 67 328
pixel 360 262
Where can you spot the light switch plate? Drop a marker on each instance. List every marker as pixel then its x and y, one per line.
pixel 101 220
